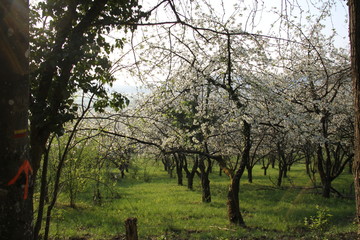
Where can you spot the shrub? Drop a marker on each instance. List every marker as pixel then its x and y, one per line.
pixel 319 222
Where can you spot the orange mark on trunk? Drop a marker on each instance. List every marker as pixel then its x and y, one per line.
pixel 27 169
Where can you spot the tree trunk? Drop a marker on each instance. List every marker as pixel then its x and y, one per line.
pixel 280 176
pixel 169 166
pixel 190 181
pixel 43 192
pixel 163 160
pixel 249 171
pixel 233 203
pixel 206 193
pixel 179 169
pixel 285 170
pixel 282 163
pixel 354 29
pixel 272 159
pixel 265 166
pixel 205 182
pixel 16 178
pixel 308 164
pixel 323 172
pixel 326 188
pixel 190 174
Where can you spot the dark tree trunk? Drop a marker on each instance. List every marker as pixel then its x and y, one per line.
pixel 285 170
pixel 326 188
pixel 308 164
pixel 179 163
pixel 210 166
pixel 206 193
pixel 323 169
pixel 165 164
pixel 168 165
pixel 249 172
pixel 190 174
pixel 190 181
pixel 354 29
pixel 43 191
pixel 16 175
pixel 282 166
pixel 280 175
pixel 265 166
pixel 272 160
pixel 233 202
pixel 205 181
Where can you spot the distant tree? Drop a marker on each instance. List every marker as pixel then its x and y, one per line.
pixel 320 75
pixel 16 174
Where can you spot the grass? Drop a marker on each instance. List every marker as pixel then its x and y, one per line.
pixel 167 211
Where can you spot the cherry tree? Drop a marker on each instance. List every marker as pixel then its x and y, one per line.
pixel 248 67
pixel 322 73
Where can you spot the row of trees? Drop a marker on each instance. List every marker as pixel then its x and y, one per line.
pixel 228 96
pixel 228 93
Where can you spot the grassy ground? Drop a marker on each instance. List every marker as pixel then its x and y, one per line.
pixel 167 211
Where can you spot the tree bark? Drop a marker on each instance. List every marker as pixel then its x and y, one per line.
pixel 233 203
pixel 326 188
pixel 323 172
pixel 280 176
pixel 282 164
pixel 205 181
pixel 354 32
pixel 179 163
pixel 16 183
pixel 249 169
pixel 190 174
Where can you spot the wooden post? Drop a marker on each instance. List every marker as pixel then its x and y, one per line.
pixel 131 229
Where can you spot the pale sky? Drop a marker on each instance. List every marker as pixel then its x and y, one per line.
pixel 255 18
pixel 252 17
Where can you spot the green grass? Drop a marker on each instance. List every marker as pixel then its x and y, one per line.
pixel 167 211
